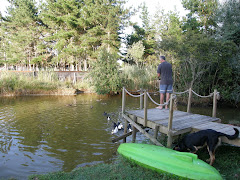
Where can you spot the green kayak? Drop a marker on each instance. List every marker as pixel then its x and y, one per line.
pixel 162 159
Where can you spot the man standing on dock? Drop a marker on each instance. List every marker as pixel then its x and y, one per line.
pixel 164 73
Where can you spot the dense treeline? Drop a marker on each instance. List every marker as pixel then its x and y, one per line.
pixel 59 34
pixel 203 46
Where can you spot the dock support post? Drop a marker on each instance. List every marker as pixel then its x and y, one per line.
pixel 123 111
pixel 139 128
pixel 145 108
pixel 123 100
pixel 125 130
pixel 169 141
pixel 134 130
pixel 141 99
pixel 214 113
pixel 156 131
pixel 189 100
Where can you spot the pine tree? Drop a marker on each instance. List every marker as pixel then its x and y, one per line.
pixel 21 29
pixel 145 34
pixel 60 33
pixel 79 28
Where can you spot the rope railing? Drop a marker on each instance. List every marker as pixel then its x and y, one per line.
pixel 210 95
pixel 132 94
pixel 134 91
pixel 166 103
pixel 179 93
pixel 176 93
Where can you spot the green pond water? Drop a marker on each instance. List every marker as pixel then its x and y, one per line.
pixel 41 134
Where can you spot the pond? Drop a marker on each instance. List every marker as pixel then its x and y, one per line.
pixel 41 134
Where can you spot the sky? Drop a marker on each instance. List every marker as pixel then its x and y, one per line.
pixel 4 4
pixel 155 5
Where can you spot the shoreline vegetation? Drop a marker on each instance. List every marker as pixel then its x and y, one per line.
pixel 21 83
pixel 42 83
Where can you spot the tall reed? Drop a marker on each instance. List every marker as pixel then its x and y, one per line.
pixel 19 81
pixel 135 77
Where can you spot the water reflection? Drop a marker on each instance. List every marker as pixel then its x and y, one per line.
pixel 52 133
pixel 42 134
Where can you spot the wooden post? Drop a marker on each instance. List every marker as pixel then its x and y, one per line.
pixel 169 141
pixel 134 132
pixel 145 108
pixel 141 99
pixel 156 131
pixel 189 100
pixel 125 129
pixel 123 111
pixel 123 100
pixel 214 113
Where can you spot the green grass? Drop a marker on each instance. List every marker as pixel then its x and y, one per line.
pixel 227 163
pixel 120 169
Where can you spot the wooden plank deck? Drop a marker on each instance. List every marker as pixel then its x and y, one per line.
pixel 224 128
pixel 183 122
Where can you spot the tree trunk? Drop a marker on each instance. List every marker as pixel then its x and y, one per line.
pixel 80 65
pixel 85 65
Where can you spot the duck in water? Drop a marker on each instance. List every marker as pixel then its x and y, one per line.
pixel 115 128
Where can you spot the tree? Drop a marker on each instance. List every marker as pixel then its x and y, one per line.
pixel 64 26
pixel 228 19
pixel 21 32
pixel 146 33
pixel 167 25
pixel 80 28
pixel 145 17
pixel 60 34
pixel 105 73
pixel 205 10
pixel 135 52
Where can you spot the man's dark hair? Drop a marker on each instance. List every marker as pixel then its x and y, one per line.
pixel 162 57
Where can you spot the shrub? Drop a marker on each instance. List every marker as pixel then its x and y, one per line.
pixel 140 77
pixel 105 73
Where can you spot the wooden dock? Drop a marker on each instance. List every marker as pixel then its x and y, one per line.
pixel 183 122
pixel 170 122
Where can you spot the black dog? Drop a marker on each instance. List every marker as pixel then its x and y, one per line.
pixel 210 138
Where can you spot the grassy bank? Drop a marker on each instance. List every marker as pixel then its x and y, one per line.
pixel 119 169
pixel 46 82
pixel 227 163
